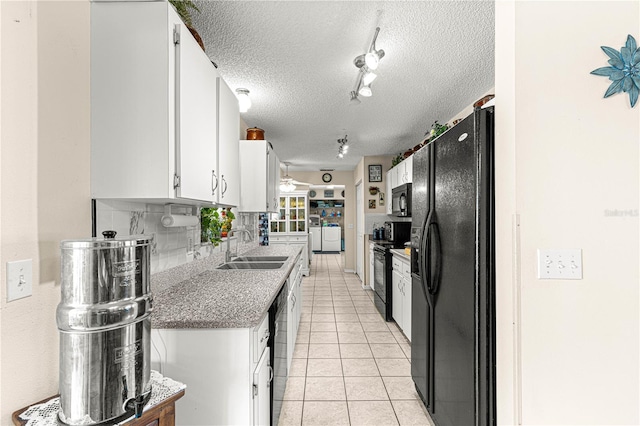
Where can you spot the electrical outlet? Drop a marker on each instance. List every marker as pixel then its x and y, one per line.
pixel 560 264
pixel 19 279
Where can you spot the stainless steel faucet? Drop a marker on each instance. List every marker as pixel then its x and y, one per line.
pixel 227 255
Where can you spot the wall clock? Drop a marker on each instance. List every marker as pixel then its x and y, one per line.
pixel 326 177
pixel 312 193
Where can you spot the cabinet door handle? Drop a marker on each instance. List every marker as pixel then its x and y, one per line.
pixel 265 336
pixel 224 187
pixel 214 187
pixel 270 374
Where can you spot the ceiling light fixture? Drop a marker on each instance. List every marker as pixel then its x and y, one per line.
pixel 365 91
pixel 244 101
pixel 343 147
pixel 368 78
pixel 366 63
pixel 287 183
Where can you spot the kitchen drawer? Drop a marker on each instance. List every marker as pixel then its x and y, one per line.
pixel 273 237
pixel 298 238
pixel 397 266
pixel 260 338
pixel 406 269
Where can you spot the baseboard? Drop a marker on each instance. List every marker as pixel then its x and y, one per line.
pixel 350 271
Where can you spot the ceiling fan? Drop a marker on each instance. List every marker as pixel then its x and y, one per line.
pixel 288 184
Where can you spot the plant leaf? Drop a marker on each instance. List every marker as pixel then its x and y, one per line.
pixel 636 80
pixel 616 75
pixel 626 55
pixel 612 53
pixel 604 71
pixel 627 84
pixel 631 43
pixel 616 63
pixel 636 57
pixel 616 87
pixel 633 95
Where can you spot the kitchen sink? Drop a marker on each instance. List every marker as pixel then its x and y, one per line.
pixel 251 265
pixel 260 259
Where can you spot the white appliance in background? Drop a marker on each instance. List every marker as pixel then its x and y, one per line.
pixel 331 238
pixel 314 220
pixel 316 238
pixel 315 233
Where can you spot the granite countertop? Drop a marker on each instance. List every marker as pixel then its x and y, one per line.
pixel 401 253
pixel 197 295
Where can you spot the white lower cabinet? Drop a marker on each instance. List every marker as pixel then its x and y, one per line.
pixel 294 309
pixel 262 391
pixel 371 266
pixel 397 304
pixel 293 240
pixel 401 293
pixel 227 373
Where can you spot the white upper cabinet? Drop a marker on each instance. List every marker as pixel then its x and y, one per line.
pixel 389 186
pixel 228 191
pixel 259 177
pixel 273 181
pixel 155 110
pixel 196 99
pixel 407 170
pixel 401 173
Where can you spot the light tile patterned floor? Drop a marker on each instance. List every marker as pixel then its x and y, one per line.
pixel 349 366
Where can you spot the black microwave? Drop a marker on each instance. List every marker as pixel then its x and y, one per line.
pixel 401 200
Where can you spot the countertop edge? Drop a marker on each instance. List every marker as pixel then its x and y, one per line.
pixel 200 301
pixel 401 253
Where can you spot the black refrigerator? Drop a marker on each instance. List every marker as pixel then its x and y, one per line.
pixel 453 274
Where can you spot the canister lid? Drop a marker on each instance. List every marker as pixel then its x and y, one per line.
pixel 108 241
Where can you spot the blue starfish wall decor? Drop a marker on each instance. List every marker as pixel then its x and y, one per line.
pixel 624 71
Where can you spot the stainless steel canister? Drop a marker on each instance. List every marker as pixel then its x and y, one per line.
pixel 104 322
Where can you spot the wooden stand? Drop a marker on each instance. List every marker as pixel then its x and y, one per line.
pixel 163 414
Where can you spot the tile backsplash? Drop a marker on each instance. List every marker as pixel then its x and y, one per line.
pixel 172 246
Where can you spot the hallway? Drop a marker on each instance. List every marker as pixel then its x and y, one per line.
pixel 349 366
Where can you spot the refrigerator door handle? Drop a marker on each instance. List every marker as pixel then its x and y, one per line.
pixel 434 235
pixel 423 254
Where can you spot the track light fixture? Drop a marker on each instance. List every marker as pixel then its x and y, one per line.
pixel 366 64
pixel 343 147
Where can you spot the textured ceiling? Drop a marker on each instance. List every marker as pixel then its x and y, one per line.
pixel 296 59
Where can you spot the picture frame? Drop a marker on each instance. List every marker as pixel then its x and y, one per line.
pixel 372 204
pixel 375 172
pixel 381 200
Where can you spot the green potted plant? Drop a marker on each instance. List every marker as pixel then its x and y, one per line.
pixel 227 219
pixel 184 9
pixel 436 130
pixel 397 160
pixel 210 225
pixel 215 224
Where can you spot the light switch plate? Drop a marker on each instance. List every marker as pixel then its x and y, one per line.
pixel 19 279
pixel 560 264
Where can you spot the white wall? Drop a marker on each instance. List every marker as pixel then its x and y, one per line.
pixel 564 157
pixel 44 192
